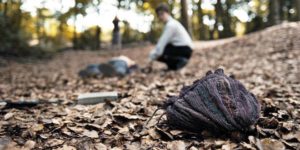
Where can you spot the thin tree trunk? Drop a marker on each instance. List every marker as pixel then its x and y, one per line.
pixel 218 10
pixel 298 9
pixel 226 21
pixel 98 38
pixel 1 6
pixel 74 31
pixel 185 17
pixel 274 14
pixel 98 30
pixel 75 34
pixel 19 16
pixel 5 9
pixel 200 20
pixel 60 26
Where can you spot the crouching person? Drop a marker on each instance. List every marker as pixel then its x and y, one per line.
pixel 174 47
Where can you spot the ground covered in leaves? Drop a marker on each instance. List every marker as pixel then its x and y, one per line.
pixel 267 62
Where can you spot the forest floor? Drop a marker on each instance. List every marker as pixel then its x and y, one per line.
pixel 266 62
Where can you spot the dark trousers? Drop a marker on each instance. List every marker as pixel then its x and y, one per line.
pixel 176 57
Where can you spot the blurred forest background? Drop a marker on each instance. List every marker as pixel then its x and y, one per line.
pixel 40 27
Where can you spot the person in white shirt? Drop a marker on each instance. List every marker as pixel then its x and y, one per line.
pixel 174 47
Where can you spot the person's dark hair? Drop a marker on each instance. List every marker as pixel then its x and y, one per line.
pixel 162 8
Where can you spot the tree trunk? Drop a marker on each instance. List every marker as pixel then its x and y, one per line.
pixel 98 38
pixel 74 31
pixel 185 17
pixel 119 4
pixel 19 16
pixel 298 9
pixel 218 10
pixel 5 9
pixel 60 26
pixel 226 21
pixel 75 34
pixel 274 14
pixel 200 20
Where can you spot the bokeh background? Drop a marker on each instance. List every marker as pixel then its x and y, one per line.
pixel 42 27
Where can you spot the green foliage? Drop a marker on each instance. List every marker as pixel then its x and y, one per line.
pixel 131 35
pixel 87 39
pixel 13 40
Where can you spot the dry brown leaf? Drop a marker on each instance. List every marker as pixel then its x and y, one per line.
pixel 107 132
pixel 54 142
pixel 130 117
pixel 291 136
pixel 147 142
pixel 193 148
pixel 66 147
pixel 133 145
pixel 154 135
pixel 56 121
pixel 100 146
pixel 272 144
pixel 91 134
pixel 4 142
pixel 176 145
pixel 176 132
pixel 29 145
pixel 117 148
pixel 107 122
pixel 37 127
pixel 124 130
pixel 228 146
pixel 247 146
pixel 76 129
pixel 8 115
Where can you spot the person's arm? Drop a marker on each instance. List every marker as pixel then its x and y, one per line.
pixel 162 42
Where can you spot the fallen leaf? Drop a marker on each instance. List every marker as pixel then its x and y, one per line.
pixel 176 145
pixel 154 135
pixel 4 142
pixel 8 115
pixel 130 117
pixel 124 130
pixel 228 146
pixel 37 127
pixel 100 146
pixel 272 144
pixel 66 147
pixel 291 136
pixel 29 145
pixel 54 142
pixel 76 129
pixel 91 134
pixel 107 132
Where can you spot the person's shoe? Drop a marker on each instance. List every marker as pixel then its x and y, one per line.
pixel 183 62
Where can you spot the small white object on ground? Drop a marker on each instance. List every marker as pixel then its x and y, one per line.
pixel 95 98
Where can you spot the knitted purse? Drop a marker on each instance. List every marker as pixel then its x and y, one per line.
pixel 216 102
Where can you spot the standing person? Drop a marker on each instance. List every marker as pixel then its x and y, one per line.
pixel 116 39
pixel 174 47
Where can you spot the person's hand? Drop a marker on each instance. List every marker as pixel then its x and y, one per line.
pixel 153 55
pixel 148 67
